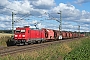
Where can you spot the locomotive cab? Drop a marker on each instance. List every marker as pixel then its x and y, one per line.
pixel 21 35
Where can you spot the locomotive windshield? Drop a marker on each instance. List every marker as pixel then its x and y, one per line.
pixel 20 31
pixel 17 31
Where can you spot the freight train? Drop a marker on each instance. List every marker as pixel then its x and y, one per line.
pixel 26 35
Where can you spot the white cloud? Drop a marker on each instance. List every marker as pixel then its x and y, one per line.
pixel 70 15
pixel 5 18
pixel 20 7
pixel 4 2
pixel 38 24
pixel 67 10
pixel 43 4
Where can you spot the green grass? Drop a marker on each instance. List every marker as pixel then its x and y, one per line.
pixel 81 52
pixel 55 52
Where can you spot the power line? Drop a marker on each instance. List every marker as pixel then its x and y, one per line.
pixel 60 26
pixel 24 16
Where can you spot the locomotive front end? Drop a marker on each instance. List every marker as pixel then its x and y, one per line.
pixel 20 36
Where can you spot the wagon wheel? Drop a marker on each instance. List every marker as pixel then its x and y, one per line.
pixel 39 41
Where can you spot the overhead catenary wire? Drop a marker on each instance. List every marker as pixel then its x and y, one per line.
pixel 13 20
pixel 22 16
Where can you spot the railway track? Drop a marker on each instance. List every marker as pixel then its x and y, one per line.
pixel 17 49
pixel 3 48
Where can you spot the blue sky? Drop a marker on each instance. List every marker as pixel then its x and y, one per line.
pixel 81 6
pixel 44 13
pixel 63 1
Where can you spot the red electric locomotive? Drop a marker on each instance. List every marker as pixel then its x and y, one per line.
pixel 26 35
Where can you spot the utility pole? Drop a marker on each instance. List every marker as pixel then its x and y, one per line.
pixel 78 30
pixel 12 23
pixel 60 26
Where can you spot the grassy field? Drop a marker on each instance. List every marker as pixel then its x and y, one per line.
pixel 68 50
pixel 82 52
pixel 3 38
pixel 4 35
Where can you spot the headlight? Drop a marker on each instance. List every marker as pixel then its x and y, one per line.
pixel 15 35
pixel 23 35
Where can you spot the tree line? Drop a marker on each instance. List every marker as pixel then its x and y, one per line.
pixel 5 31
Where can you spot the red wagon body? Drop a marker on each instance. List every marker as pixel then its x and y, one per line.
pixel 64 35
pixel 71 34
pixel 49 34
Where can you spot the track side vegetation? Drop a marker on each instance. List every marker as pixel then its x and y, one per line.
pixel 81 52
pixel 69 50
pixel 4 37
